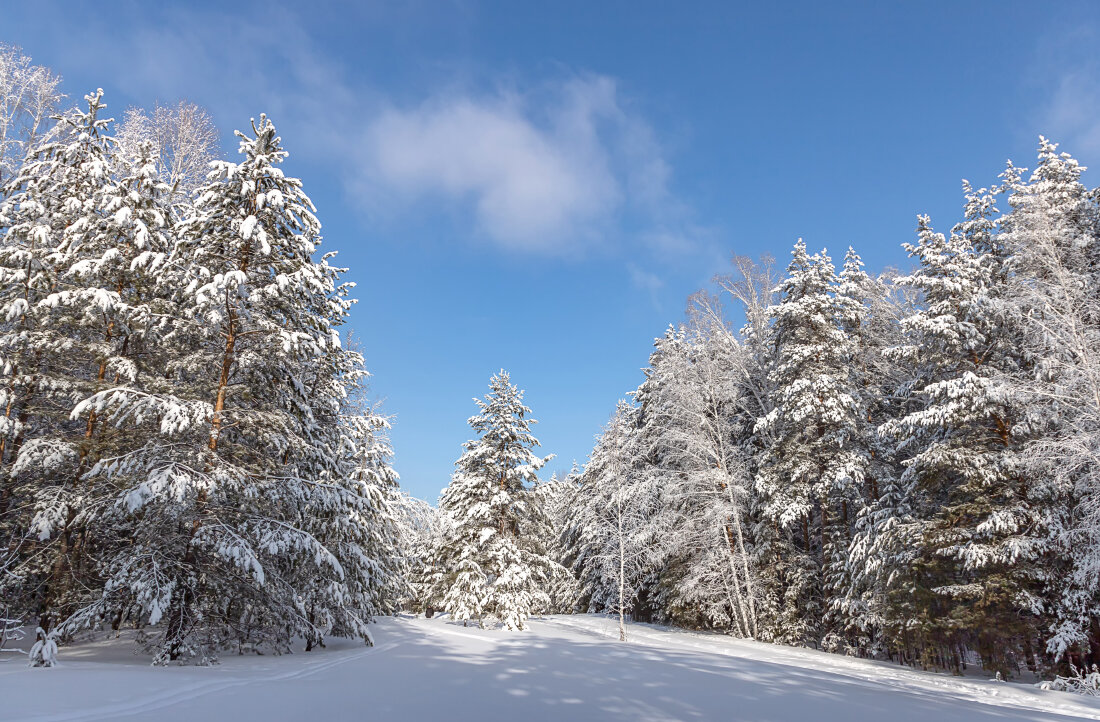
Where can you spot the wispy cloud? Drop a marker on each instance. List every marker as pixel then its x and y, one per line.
pixel 549 169
pixel 533 186
pixel 646 281
pixel 1066 73
pixel 562 165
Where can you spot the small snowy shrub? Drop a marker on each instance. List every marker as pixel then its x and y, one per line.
pixel 44 651
pixel 1078 681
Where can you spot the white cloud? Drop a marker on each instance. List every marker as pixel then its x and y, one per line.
pixel 1066 73
pixel 1072 116
pixel 556 166
pixel 549 170
pixel 643 279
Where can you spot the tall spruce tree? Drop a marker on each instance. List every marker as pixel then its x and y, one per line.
pixel 494 564
pixel 243 513
pixel 974 575
pixel 813 468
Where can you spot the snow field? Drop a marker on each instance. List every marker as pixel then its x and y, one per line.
pixel 565 667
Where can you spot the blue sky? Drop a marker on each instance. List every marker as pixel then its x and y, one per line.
pixel 539 186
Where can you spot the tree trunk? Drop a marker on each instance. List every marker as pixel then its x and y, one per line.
pixel 744 554
pixel 622 566
pixel 726 537
pixel 223 379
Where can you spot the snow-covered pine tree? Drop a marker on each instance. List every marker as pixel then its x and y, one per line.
pixel 973 577
pixel 493 564
pixel 812 471
pixel 63 322
pixel 227 494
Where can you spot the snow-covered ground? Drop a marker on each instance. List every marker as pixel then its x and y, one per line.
pixel 570 668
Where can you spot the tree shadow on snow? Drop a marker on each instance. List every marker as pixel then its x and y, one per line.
pixel 466 673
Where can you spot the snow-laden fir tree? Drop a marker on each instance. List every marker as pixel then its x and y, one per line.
pixel 247 495
pixel 974 576
pixel 811 477
pixel 495 566
pixel 67 304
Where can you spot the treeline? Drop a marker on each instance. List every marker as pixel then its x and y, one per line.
pixel 900 466
pixel 185 445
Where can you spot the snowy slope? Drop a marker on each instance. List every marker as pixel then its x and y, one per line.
pixel 564 668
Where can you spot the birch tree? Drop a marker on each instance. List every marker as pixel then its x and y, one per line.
pixel 694 417
pixel 183 138
pixel 29 100
pixel 611 525
pixel 1053 229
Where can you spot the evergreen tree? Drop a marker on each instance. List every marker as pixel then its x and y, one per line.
pixel 494 563
pixel 974 574
pixel 813 468
pixel 62 324
pixel 247 520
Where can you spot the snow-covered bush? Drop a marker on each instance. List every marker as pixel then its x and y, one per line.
pixel 44 651
pixel 1078 681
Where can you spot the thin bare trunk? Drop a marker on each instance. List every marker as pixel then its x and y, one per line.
pixel 726 539
pixel 736 509
pixel 622 565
